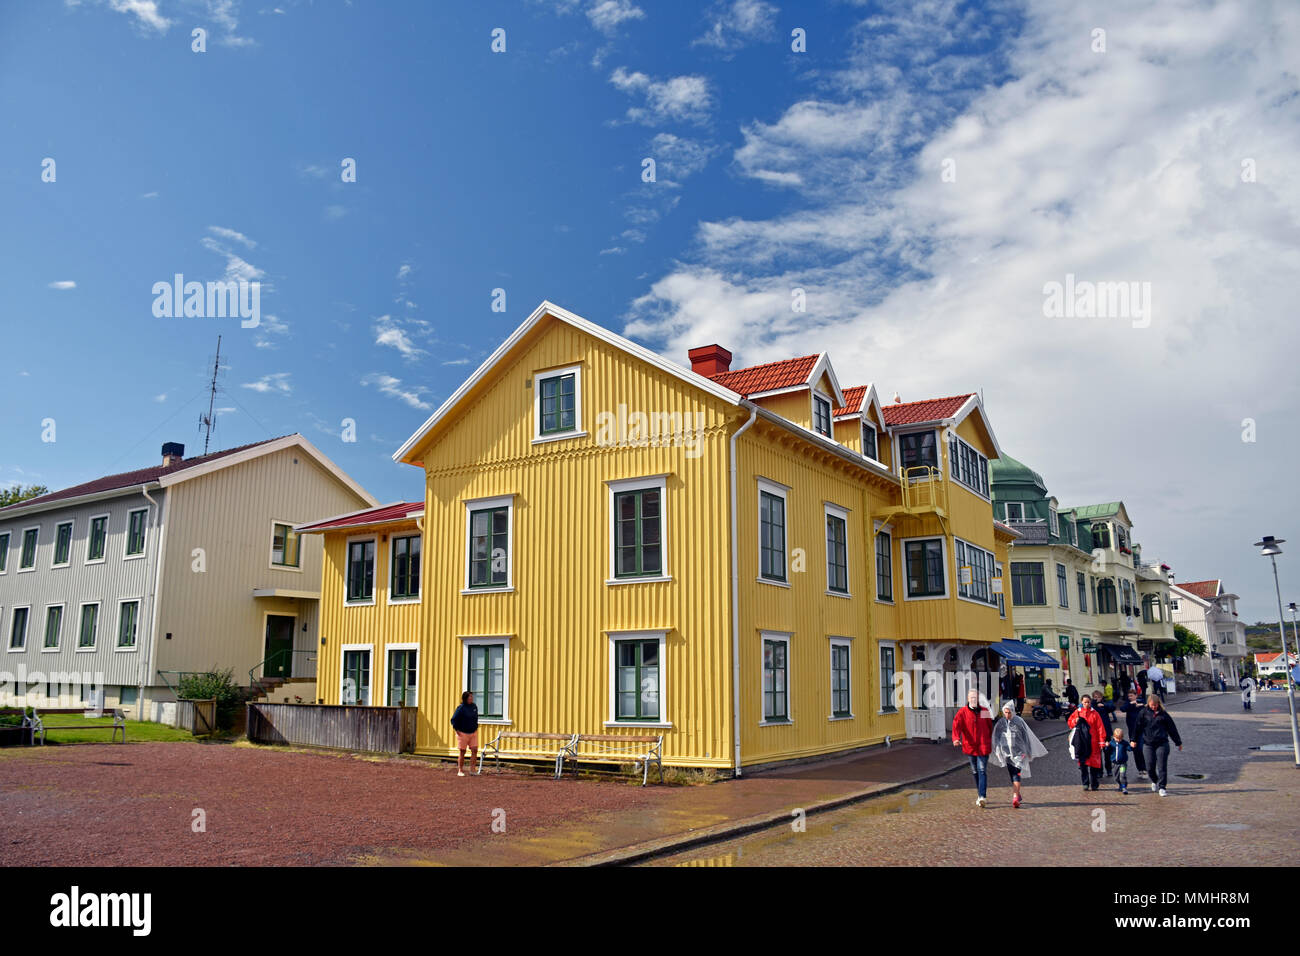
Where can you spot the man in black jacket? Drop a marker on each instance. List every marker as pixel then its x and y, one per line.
pixel 465 723
pixel 1132 710
pixel 1155 728
pixel 1071 693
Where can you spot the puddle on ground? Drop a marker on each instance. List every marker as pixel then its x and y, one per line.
pixel 1191 776
pixel 1228 826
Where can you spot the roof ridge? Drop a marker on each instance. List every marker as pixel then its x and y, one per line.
pixel 784 361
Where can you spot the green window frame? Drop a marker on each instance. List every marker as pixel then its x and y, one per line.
pixel 361 570
pixel 88 630
pixel 128 619
pixel 924 563
pixel 771 536
pixel 97 539
pixel 402 677
pixel 776 679
pixel 53 625
pixel 887 670
pixel 135 531
pixel 638 533
pixel 637 680
pixel 4 552
pixel 18 628
pixel 840 697
pixel 406 568
pixel 822 416
pixel 837 553
pixel 356 668
pixel 884 566
pixel 62 544
pixel 489 547
pixel 27 559
pixel 486 679
pixel 1062 586
pixel 285 546
pixel 558 403
pixel 1027 586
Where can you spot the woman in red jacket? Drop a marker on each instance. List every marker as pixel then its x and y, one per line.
pixel 1090 766
pixel 972 730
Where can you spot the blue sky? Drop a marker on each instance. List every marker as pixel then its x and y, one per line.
pixel 775 169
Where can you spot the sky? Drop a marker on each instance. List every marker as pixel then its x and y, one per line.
pixel 923 171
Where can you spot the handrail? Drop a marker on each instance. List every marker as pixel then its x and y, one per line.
pixel 180 675
pixel 255 681
pixel 920 477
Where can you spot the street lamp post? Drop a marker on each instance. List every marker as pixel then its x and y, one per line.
pixel 1295 639
pixel 1272 547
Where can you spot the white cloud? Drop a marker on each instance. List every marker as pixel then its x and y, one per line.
pixel 149 195
pixel 677 99
pixel 160 398
pixel 145 12
pixel 388 385
pixel 404 271
pixel 612 251
pixel 734 24
pixel 234 236
pixel 1118 166
pixel 677 157
pixel 275 382
pixel 237 268
pixel 459 361
pixel 63 285
pixel 390 333
pixel 607 15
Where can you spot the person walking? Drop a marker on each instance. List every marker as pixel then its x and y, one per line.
pixel 1087 753
pixel 1020 694
pixel 1132 710
pixel 1142 682
pixel 1117 751
pixel 972 731
pixel 1247 692
pixel 1014 746
pixel 1071 693
pixel 465 722
pixel 1104 711
pixel 1155 728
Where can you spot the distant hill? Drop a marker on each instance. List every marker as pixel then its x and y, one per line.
pixel 1262 637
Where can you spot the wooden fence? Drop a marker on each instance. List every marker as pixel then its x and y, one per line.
pixel 196 716
pixel 385 730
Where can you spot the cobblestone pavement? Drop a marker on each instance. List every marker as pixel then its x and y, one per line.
pixel 1227 804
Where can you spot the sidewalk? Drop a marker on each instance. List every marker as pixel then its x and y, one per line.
pixel 734 808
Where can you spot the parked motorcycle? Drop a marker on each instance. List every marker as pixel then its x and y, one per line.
pixel 1057 708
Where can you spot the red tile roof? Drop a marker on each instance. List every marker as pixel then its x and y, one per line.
pixel 927 410
pixel 1207 590
pixel 787 373
pixel 1268 658
pixel 384 514
pixel 852 400
pixel 128 479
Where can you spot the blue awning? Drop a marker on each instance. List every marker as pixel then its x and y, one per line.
pixel 1016 652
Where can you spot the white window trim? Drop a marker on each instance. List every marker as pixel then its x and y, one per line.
pixel 881 645
pixel 636 484
pixel 957 567
pixel 81 610
pixel 468 642
pixel 1006 511
pixel 126 538
pixel 830 412
pixel 90 528
pixel 1063 588
pixel 27 629
pixel 645 635
pixel 370 688
pixel 482 504
pixel 406 646
pixel 783 492
pixel 71 523
pixel 868 423
pixel 829 510
pixel 577 431
pixel 1053 521
pixel 939 452
pixel 1002 598
pixel 893 578
pixel 22 537
pixel 9 540
pixel 947 571
pixel 392 557
pixel 957 481
pixel 347 569
pixel 58 638
pixel 270 557
pixel 117 631
pixel 785 636
pixel 834 642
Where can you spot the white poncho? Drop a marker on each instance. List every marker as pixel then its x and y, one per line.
pixel 1013 741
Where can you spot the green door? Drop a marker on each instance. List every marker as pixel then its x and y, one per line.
pixel 1033 675
pixel 279 646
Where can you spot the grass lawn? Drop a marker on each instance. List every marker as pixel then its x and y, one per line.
pixel 136 730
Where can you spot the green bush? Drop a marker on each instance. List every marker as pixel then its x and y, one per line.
pixel 218 685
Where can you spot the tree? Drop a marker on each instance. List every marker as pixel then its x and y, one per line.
pixel 1189 643
pixel 17 493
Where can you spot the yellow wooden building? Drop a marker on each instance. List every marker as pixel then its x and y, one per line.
pixel 755 563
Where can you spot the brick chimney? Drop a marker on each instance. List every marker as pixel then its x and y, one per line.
pixel 172 452
pixel 710 360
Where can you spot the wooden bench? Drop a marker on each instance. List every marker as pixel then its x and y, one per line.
pixel 618 748
pixel 521 746
pixel 39 727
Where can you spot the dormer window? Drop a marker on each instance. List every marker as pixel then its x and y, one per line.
pixel 869 441
pixel 918 449
pixel 557 411
pixel 1054 522
pixel 821 416
pixel 1015 511
pixel 1101 535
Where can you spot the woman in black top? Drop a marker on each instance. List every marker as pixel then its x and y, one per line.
pixel 1155 728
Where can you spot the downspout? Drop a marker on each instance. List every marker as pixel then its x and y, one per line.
pixel 735 595
pixel 151 656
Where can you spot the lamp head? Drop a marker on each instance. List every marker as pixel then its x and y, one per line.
pixel 1270 545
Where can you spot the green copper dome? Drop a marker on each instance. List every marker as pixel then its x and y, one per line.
pixel 1009 471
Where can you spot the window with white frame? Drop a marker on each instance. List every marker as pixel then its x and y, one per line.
pixel 361 571
pixel 924 566
pixel 284 546
pixel 1062 586
pixel 53 626
pixel 62 545
pixel 1053 521
pixel 637 678
pixel 888 666
pixel 869 441
pixel 1015 511
pixel 4 552
pixel 981 565
pixel 884 566
pixel 135 531
pixel 404 556
pixel 97 539
pixel 1079 578
pixel 821 415
pixel 771 531
pixel 128 620
pixel 18 628
pixel 27 557
pixel 1000 591
pixel 637 529
pixel 487 676
pixel 354 684
pixel 776 677
pixel 837 549
pixel 557 403
pixel 841 698
pixel 968 466
pixel 918 449
pixel 403 674
pixel 489 544
pixel 88 628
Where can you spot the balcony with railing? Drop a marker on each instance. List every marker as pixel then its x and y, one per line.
pixel 923 492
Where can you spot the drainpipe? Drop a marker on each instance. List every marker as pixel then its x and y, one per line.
pixel 151 654
pixel 735 594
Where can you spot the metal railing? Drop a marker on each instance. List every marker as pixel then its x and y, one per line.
pixel 282 665
pixel 924 489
